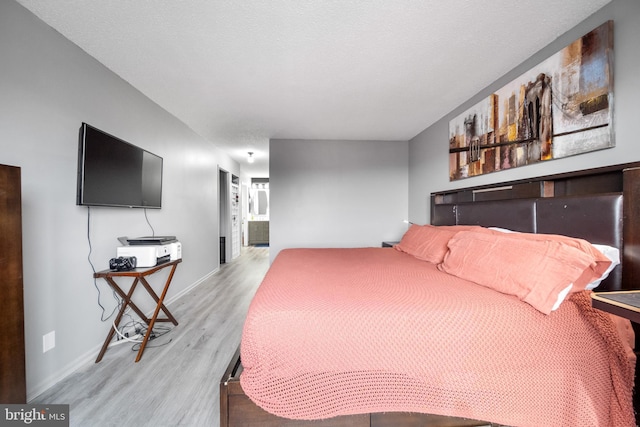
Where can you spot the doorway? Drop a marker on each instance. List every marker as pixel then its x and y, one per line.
pixel 224 224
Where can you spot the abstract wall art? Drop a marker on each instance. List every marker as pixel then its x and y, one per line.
pixel 560 108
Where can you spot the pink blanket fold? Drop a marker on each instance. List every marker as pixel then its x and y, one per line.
pixel 343 331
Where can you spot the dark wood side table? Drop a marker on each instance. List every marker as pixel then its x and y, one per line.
pixel 625 304
pixel 621 303
pixel 139 275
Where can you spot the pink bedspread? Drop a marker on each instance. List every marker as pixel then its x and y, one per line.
pixel 344 331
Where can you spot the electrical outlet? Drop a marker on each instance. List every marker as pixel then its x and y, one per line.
pixel 48 341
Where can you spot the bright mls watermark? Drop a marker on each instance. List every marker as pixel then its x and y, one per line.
pixel 34 415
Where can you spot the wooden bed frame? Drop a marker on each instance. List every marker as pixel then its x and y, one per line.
pixel 601 205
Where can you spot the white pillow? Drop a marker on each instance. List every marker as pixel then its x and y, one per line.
pixel 561 296
pixel 502 230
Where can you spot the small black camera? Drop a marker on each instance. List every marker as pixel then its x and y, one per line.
pixel 122 263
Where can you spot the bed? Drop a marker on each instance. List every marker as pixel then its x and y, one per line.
pixel 395 338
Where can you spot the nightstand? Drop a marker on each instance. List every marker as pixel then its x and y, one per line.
pixel 621 303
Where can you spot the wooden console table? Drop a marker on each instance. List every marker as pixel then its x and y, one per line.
pixel 139 276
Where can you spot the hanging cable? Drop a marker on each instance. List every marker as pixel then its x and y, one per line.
pixel 153 232
pixel 95 282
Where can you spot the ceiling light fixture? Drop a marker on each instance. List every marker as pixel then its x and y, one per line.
pixel 250 159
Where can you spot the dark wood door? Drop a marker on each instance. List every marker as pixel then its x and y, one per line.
pixel 13 387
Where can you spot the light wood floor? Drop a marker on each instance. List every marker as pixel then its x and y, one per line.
pixel 176 384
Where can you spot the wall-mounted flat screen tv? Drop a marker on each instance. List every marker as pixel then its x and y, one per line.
pixel 113 172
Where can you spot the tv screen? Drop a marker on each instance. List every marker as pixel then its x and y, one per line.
pixel 113 172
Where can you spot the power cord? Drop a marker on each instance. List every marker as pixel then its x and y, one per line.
pixel 95 282
pixel 156 333
pixel 137 325
pixel 123 336
pixel 153 232
pixel 136 346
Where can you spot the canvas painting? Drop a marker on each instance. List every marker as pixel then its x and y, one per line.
pixel 561 107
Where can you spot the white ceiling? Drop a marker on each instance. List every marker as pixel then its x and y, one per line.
pixel 240 72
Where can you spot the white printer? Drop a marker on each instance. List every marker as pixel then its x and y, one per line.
pixel 175 250
pixel 155 251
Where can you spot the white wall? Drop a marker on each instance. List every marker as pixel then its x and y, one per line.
pixel 336 193
pixel 49 86
pixel 428 152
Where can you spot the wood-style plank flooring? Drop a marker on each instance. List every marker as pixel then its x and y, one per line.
pixel 176 383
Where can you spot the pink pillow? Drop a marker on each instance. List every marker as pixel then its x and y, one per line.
pixel 597 270
pixel 536 270
pixel 429 242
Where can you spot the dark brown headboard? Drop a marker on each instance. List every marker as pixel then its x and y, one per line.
pixel 597 219
pixel 598 205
